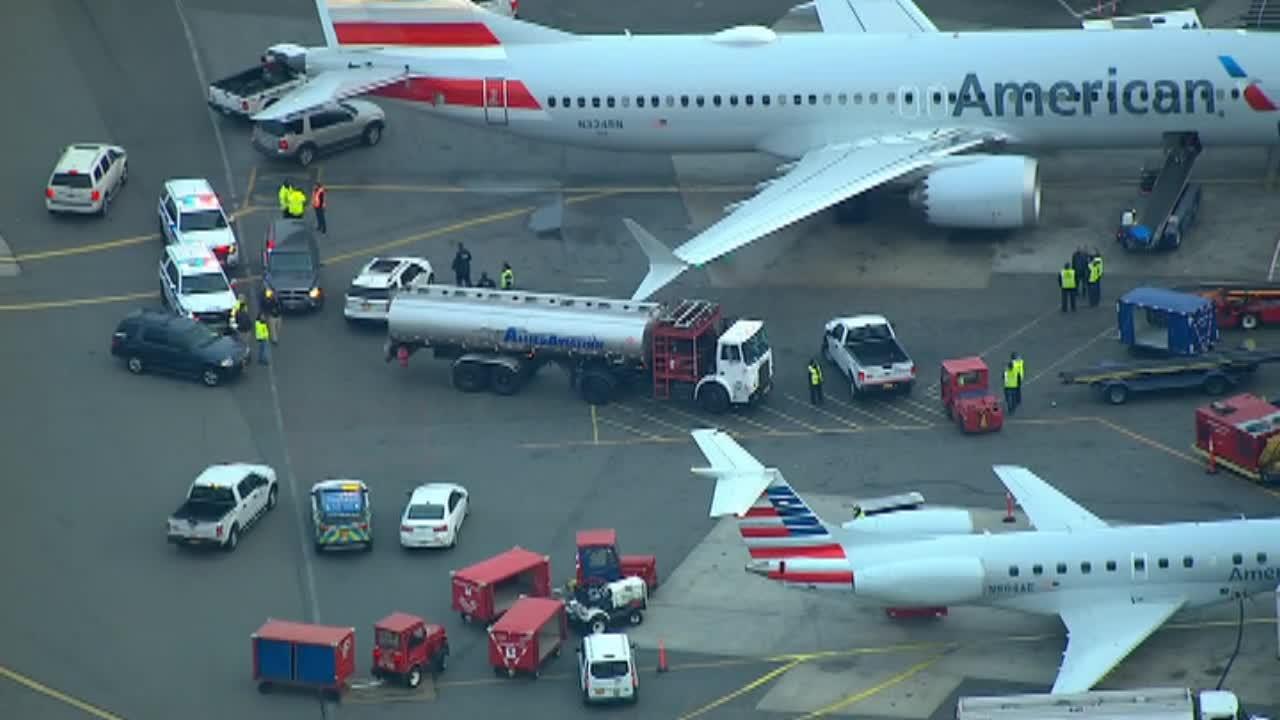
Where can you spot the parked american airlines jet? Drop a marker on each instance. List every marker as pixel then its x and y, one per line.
pixel 1112 586
pixel 880 96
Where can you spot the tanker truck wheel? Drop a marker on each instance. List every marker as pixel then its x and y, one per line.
pixel 505 381
pixel 714 399
pixel 597 387
pixel 470 377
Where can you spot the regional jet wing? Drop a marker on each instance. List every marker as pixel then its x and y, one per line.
pixel 872 16
pixel 740 478
pixel 821 178
pixel 331 86
pixel 1046 508
pixel 1100 635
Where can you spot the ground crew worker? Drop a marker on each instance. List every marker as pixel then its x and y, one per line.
pixel 485 281
pixel 1080 263
pixel 1012 384
pixel 1021 368
pixel 262 334
pixel 462 267
pixel 815 382
pixel 240 314
pixel 297 202
pixel 318 205
pixel 1095 279
pixel 273 318
pixel 507 278
pixel 1067 281
pixel 283 195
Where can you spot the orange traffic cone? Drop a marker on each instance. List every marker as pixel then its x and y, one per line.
pixel 1212 467
pixel 662 657
pixel 1008 508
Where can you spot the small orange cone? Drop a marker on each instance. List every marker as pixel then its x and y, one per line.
pixel 662 657
pixel 1212 467
pixel 1008 508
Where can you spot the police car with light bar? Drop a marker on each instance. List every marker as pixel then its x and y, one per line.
pixel 191 213
pixel 192 284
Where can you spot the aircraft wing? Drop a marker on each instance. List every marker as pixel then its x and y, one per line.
pixel 1046 508
pixel 821 178
pixel 330 86
pixel 872 16
pixel 1100 635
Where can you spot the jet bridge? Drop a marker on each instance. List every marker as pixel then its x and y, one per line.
pixel 1171 204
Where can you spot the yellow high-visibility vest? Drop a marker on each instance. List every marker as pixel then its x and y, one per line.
pixel 297 203
pixel 1019 368
pixel 1010 378
pixel 815 375
pixel 1068 279
pixel 1095 270
pixel 507 279
pixel 261 331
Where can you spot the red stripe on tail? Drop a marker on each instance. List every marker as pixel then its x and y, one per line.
pixel 465 34
pixel 769 531
pixel 833 550
pixel 762 512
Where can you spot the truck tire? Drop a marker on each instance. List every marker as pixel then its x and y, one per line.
pixel 1116 394
pixel 906 388
pixel 442 661
pixel 135 365
pixel 273 496
pixel 470 377
pixel 1249 321
pixel 233 539
pixel 597 387
pixel 413 678
pixel 372 134
pixel 505 381
pixel 714 398
pixel 635 617
pixel 1215 385
pixel 599 626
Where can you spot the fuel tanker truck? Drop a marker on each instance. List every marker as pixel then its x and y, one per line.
pixel 498 339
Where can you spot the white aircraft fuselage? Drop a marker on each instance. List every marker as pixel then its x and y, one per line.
pixel 1038 88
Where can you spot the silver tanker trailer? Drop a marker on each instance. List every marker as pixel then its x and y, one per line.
pixel 499 339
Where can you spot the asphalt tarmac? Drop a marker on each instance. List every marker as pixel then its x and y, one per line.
pixel 103 618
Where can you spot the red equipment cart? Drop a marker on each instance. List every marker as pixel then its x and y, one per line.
pixel 533 630
pixel 1243 304
pixel 486 590
pixel 966 397
pixel 404 646
pixel 303 655
pixel 598 561
pixel 1244 431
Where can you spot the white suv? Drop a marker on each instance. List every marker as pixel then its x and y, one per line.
pixel 607 670
pixel 86 178
pixel 190 212
pixel 192 284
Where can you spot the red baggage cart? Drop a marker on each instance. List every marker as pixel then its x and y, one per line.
pixel 532 631
pixel 303 655
pixel 486 590
pixel 965 398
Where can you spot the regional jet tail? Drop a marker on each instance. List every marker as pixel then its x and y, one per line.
pixel 1111 586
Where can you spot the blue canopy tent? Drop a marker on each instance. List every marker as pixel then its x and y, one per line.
pixel 1167 322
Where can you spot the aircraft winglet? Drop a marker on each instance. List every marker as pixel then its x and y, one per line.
pixel 664 266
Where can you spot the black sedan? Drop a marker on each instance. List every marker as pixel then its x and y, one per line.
pixel 152 340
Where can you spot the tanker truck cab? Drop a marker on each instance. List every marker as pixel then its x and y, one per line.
pixel 743 368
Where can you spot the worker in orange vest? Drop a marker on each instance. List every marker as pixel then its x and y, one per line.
pixel 318 204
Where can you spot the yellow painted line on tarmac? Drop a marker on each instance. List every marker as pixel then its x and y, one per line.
pixel 249 187
pixel 1149 442
pixel 764 679
pixel 78 302
pixel 58 695
pixel 876 689
pixel 453 228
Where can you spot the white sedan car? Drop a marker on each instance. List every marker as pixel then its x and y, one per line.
pixel 433 517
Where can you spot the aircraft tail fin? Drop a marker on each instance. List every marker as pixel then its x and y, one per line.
pixel 773 520
pixel 664 265
pixel 427 23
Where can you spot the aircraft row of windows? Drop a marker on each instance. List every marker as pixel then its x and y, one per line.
pixel 1139 565
pixel 890 98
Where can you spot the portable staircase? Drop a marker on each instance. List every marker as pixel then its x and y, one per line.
pixel 677 337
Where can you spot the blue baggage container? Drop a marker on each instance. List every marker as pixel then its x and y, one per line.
pixel 275 659
pixel 1167 322
pixel 317 664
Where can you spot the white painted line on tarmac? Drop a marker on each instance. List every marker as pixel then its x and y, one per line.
pixel 9 264
pixel 1271 274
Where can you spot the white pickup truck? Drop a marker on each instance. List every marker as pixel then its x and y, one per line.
pixel 223 502
pixel 866 350
pixel 250 91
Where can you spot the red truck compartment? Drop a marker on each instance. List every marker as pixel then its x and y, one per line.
pixel 486 590
pixel 533 630
pixel 1239 427
pixel 644 567
pixel 303 654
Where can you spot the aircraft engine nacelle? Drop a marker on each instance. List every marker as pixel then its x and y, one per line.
pixel 929 582
pixel 295 56
pixel 939 521
pixel 987 192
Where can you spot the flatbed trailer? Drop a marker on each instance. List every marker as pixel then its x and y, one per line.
pixel 1215 373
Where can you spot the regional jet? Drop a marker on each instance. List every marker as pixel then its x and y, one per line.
pixel 1112 585
pixel 879 97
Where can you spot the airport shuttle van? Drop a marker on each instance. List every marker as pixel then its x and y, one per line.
pixel 1147 704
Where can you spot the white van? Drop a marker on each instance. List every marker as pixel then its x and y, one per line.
pixel 607 670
